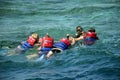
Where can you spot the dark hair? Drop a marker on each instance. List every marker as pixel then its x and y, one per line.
pixel 47 35
pixel 67 36
pixel 79 28
pixel 91 30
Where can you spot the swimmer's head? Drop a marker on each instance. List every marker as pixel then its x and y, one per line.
pixel 91 30
pixel 79 29
pixel 35 35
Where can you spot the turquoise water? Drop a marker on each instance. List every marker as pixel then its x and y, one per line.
pixel 19 18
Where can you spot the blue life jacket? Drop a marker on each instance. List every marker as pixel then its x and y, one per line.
pixel 60 45
pixel 26 45
pixel 89 41
pixel 45 49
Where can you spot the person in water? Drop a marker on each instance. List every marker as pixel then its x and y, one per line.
pixel 25 45
pixel 29 43
pixel 46 45
pixel 89 38
pixel 63 44
pixel 80 32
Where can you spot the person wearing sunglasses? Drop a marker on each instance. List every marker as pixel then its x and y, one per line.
pixel 79 31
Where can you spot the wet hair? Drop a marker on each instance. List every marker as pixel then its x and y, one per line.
pixel 91 30
pixel 47 35
pixel 79 28
pixel 35 35
pixel 67 36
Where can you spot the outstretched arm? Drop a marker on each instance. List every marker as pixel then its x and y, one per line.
pixel 80 38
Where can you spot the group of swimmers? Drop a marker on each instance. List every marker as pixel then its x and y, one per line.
pixel 48 46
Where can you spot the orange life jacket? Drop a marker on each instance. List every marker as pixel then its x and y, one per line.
pixel 31 40
pixel 66 41
pixel 47 42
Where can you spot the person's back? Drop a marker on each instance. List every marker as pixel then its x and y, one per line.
pixel 29 43
pixel 47 43
pixel 25 45
pixel 63 44
pixel 90 37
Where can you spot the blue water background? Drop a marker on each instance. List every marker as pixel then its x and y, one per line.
pixel 19 18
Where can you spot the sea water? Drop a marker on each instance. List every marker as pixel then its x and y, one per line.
pixel 20 18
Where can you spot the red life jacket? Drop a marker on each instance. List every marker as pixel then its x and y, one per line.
pixel 91 35
pixel 66 41
pixel 31 40
pixel 47 42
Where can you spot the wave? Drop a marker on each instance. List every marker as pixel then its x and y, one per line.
pixel 54 9
pixel 8 44
pixel 82 63
pixel 19 18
